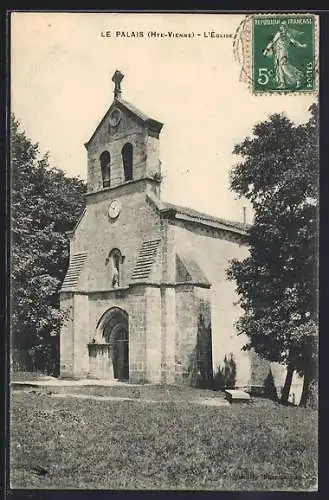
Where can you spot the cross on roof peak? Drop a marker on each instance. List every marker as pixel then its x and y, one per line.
pixel 117 78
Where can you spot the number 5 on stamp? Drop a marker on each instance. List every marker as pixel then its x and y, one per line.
pixel 283 53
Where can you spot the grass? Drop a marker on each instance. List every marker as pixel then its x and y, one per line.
pixel 17 376
pixel 135 445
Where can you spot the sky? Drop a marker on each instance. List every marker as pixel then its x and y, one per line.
pixel 61 70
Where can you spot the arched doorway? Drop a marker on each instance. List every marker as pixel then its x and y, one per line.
pixel 115 333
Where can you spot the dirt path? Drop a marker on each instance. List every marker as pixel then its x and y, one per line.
pixel 201 401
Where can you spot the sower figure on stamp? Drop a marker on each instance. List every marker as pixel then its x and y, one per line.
pixel 285 73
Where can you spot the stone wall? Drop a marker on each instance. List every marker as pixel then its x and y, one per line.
pixel 98 235
pixel 279 375
pixel 134 305
pixel 186 332
pixel 260 369
pixel 204 337
pixel 168 322
pixel 81 335
pixel 143 335
pixel 153 334
pixel 212 250
pixel 137 334
pixel 66 338
pixel 112 139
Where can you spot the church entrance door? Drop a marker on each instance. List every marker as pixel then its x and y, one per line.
pixel 120 355
pixel 116 334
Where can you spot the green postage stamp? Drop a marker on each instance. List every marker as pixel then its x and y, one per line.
pixel 278 52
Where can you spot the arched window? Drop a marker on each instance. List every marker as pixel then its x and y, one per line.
pixel 105 161
pixel 127 159
pixel 115 260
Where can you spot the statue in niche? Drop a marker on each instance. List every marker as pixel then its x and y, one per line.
pixel 116 260
pixel 115 274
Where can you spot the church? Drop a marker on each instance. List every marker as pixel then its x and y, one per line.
pixel 146 297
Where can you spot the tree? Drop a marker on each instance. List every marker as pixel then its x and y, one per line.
pixel 277 282
pixel 45 204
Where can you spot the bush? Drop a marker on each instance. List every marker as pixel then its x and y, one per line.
pixel 270 391
pixel 225 377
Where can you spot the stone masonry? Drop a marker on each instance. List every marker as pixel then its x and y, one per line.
pixel 146 295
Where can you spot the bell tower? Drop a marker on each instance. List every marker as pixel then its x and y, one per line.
pixel 124 148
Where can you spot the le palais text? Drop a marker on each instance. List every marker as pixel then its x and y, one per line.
pixel 163 34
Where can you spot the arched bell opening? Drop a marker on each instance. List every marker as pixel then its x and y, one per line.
pixel 127 160
pixel 105 162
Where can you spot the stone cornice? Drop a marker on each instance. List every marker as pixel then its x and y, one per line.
pixel 122 187
pixel 151 284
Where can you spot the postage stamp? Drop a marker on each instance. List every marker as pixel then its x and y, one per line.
pixel 278 53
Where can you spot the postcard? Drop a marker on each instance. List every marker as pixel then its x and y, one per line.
pixel 164 228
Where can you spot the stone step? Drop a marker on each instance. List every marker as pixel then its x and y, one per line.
pixel 237 396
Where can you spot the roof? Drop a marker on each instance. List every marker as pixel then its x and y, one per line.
pixel 124 105
pixel 133 110
pixel 73 273
pixel 155 124
pixel 145 259
pixel 191 215
pixel 187 268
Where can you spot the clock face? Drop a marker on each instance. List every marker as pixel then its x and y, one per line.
pixel 115 117
pixel 114 209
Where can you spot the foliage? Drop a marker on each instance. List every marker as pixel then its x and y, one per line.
pixel 45 205
pixel 277 282
pixel 269 387
pixel 225 376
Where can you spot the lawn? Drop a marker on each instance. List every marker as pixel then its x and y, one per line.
pixel 166 445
